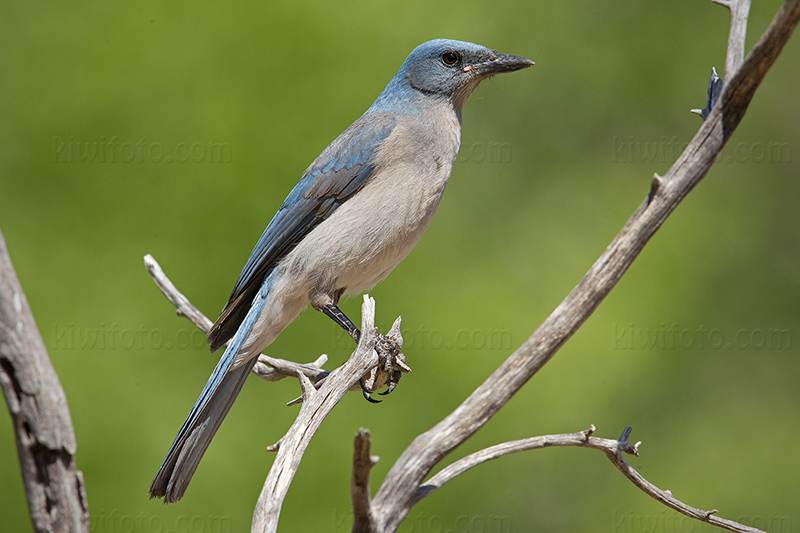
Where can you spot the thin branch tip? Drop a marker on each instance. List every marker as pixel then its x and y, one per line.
pixel 274 447
pixel 394 331
pixel 655 186
pixel 306 385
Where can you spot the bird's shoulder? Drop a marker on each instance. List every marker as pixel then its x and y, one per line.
pixel 341 166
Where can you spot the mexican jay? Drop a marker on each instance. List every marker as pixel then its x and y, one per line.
pixel 356 212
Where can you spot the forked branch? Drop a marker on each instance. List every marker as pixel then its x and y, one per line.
pixel 400 489
pixel 614 450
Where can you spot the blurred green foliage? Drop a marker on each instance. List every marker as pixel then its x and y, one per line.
pixel 177 128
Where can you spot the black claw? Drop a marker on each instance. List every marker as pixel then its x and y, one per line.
pixel 365 392
pixel 369 398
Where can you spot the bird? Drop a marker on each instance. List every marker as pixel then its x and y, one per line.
pixel 355 213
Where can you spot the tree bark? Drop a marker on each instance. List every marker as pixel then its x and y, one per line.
pixel 38 407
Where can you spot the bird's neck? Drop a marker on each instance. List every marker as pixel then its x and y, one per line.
pixel 400 97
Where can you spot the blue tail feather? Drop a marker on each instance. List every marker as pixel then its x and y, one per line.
pixel 208 412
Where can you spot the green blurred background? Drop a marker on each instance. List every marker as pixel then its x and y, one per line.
pixel 215 110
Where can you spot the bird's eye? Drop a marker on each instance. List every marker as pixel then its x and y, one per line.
pixel 450 58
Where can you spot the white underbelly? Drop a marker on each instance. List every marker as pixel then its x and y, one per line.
pixel 365 238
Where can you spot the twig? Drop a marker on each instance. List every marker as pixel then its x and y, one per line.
pixel 583 439
pixel 267 368
pixel 472 460
pixel 740 11
pixel 614 453
pixel 182 304
pixel 40 415
pixel 398 492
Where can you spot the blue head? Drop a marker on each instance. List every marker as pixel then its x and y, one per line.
pixel 445 69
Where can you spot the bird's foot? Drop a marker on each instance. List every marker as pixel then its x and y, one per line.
pixel 390 368
pixel 391 365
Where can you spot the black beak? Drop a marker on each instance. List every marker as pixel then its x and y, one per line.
pixel 502 63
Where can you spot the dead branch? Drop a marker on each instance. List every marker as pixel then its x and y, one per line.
pixel 317 400
pixel 399 490
pixel 583 439
pixel 315 407
pixel 267 368
pixel 359 483
pixel 740 11
pixel 39 412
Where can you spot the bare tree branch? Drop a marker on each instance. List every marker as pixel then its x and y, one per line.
pixel 317 400
pixel 740 11
pixel 663 496
pixel 315 407
pixel 359 484
pixel 472 460
pixel 398 492
pixel 39 412
pixel 182 304
pixel 583 439
pixel 267 368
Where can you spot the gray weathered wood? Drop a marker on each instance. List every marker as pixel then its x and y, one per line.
pixel 583 439
pixel 39 412
pixel 363 462
pixel 315 407
pixel 398 492
pixel 267 368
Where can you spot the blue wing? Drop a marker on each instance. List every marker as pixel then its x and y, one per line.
pixel 340 171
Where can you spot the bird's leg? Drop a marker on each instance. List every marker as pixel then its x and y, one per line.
pixel 338 316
